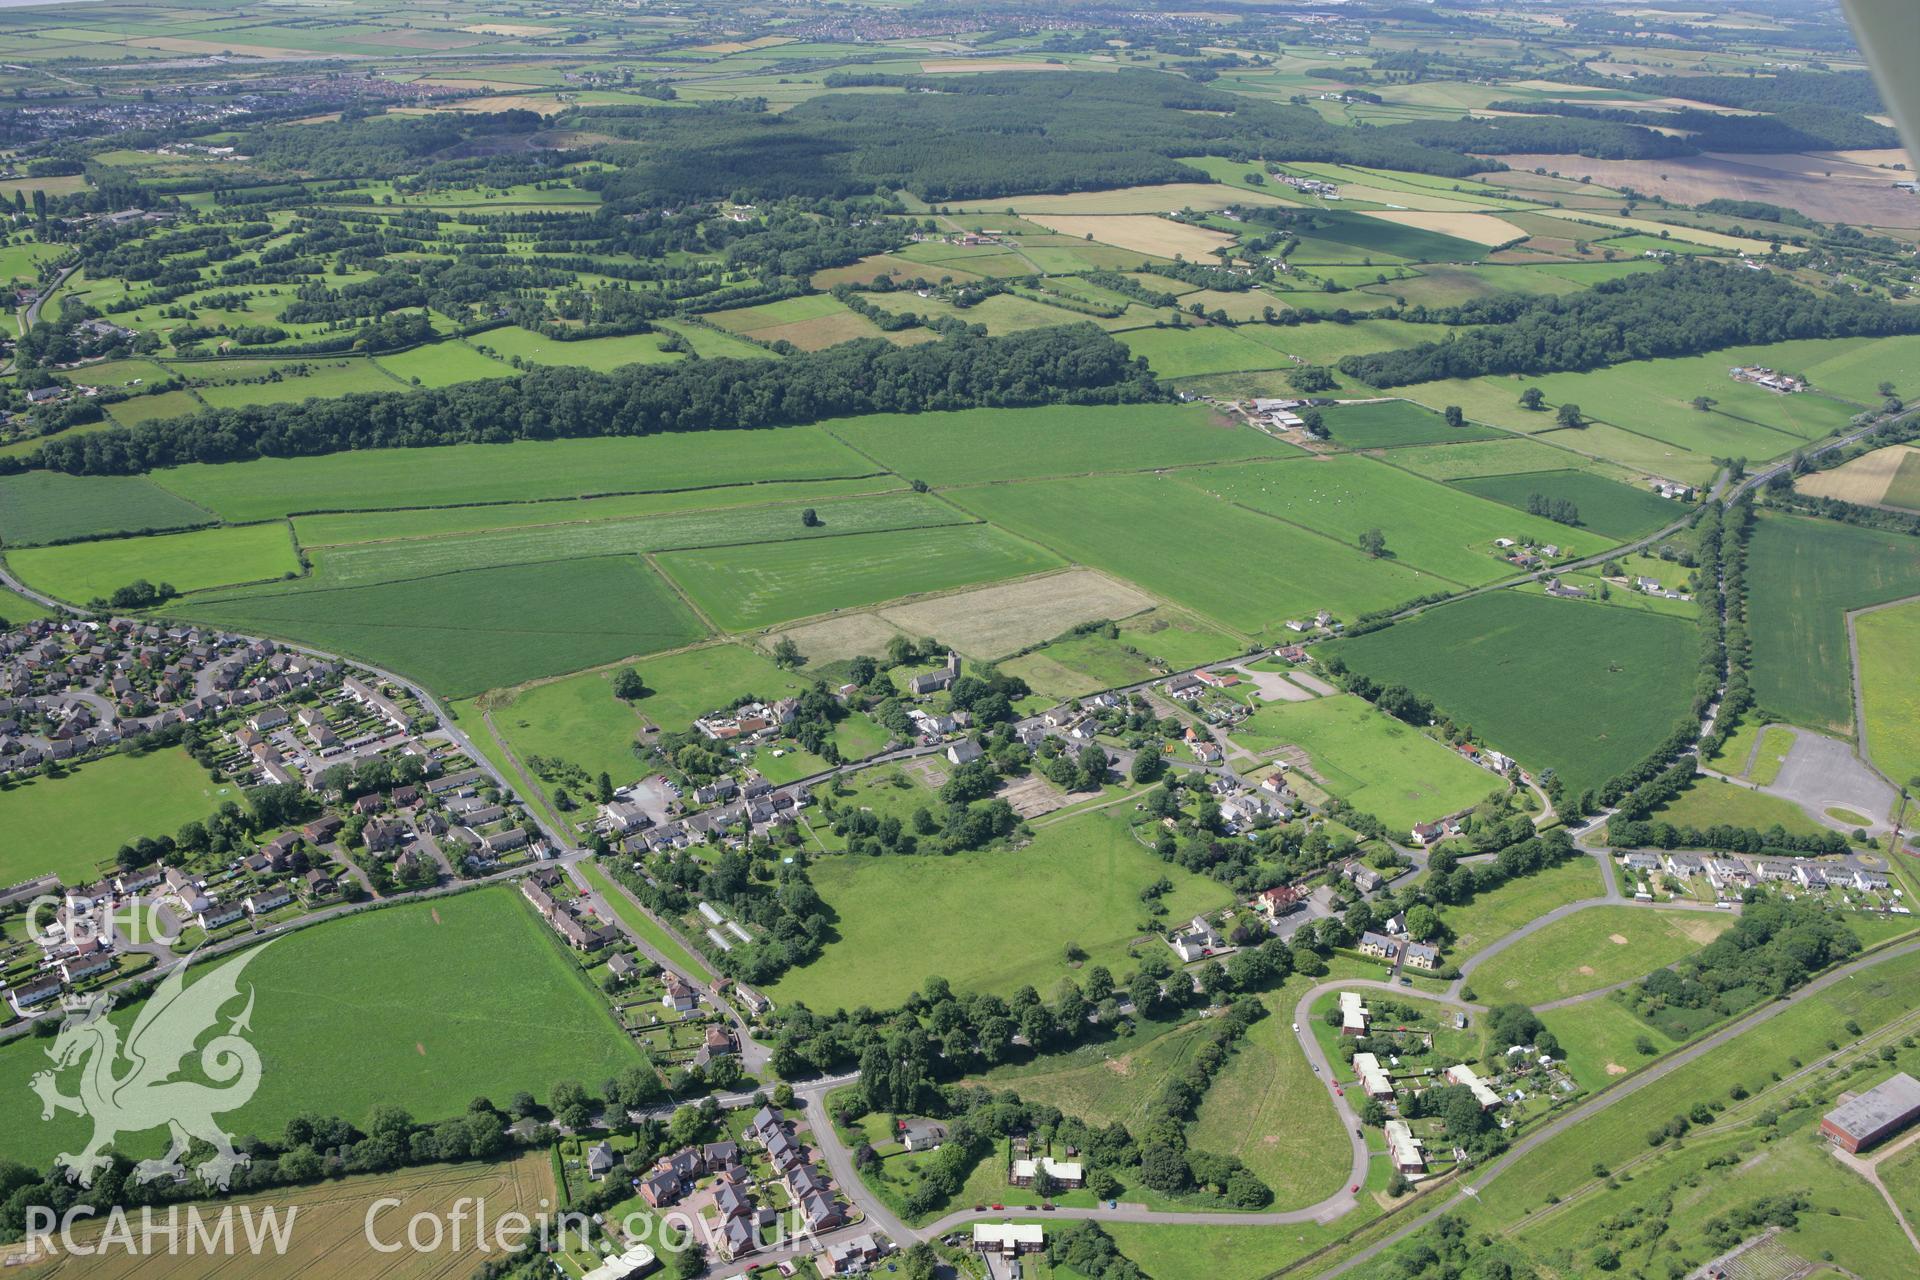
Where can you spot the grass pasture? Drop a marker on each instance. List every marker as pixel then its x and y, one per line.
pixel 1584 689
pixel 1606 506
pixel 48 506
pixel 1189 352
pixel 1709 802
pixel 1382 424
pixel 1430 527
pixel 71 826
pixel 1592 949
pixel 1889 656
pixel 1372 761
pixel 1508 455
pixel 152 408
pixel 601 354
pixel 374 1010
pixel 1802 577
pixel 462 633
pixel 442 475
pixel 1488 917
pixel 196 561
pixel 576 719
pixel 761 584
pixel 442 364
pixel 1245 570
pixel 904 919
pixel 976 445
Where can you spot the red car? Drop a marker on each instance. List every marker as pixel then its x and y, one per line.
pixel 997 1208
pixel 1339 1091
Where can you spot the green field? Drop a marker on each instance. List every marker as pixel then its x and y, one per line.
pixel 428 522
pixel 1803 575
pixel 1491 916
pixel 1382 424
pixel 1592 949
pixel 419 557
pixel 325 380
pixel 1088 663
pixel 1904 489
pixel 70 826
pixel 46 506
pixel 1248 571
pixel 1185 353
pixel 577 720
pixel 375 479
pixel 1606 507
pixel 1601 1039
pixel 1583 689
pixel 1372 761
pixel 150 408
pixel 1889 656
pixel 1506 456
pixel 420 1006
pixel 461 633
pixel 993 920
pixel 1427 526
pixel 442 364
pixel 599 354
pixel 1106 1082
pixel 80 571
pixel 1269 1108
pixel 1020 444
pixel 1772 753
pixel 682 687
pixel 761 584
pixel 16 608
pixel 1709 802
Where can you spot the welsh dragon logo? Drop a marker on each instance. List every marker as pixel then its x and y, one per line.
pixel 144 1093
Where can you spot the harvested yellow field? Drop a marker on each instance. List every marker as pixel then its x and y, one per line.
pixel 742 46
pixel 1863 480
pixel 1141 233
pixel 838 638
pixel 1480 228
pixel 1166 197
pixel 484 86
pixel 329 1231
pixel 539 103
pixel 508 29
pixel 179 44
pixel 1420 200
pixel 995 621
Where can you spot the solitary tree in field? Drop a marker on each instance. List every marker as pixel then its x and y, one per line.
pixel 1704 403
pixel 1454 417
pixel 1533 398
pixel 1568 415
pixel 627 685
pixel 1374 543
pixel 786 653
pixel 810 519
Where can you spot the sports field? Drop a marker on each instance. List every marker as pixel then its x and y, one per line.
pixel 993 920
pixel 70 826
pixel 422 1006
pixel 1889 657
pixel 375 479
pixel 1248 571
pixel 1427 526
pixel 1380 424
pixel 1583 689
pixel 46 506
pixel 1803 575
pixel 761 584
pixel 1020 444
pixel 80 571
pixel 1592 949
pixel 1606 507
pixel 461 633
pixel 1372 761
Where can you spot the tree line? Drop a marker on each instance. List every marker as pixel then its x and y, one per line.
pixel 1072 364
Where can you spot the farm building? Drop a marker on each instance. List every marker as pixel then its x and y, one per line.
pixel 1872 1117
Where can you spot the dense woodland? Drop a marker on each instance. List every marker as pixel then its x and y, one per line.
pixel 1073 364
pixel 1689 308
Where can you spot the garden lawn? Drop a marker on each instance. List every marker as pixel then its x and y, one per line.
pixel 1427 526
pixel 80 571
pixel 421 1006
pixel 1492 915
pixel 462 633
pixel 760 584
pixel 1583 689
pixel 1606 507
pixel 71 826
pixel 47 506
pixel 990 920
pixel 973 445
pixel 1709 802
pixel 1245 570
pixel 376 479
pixel 1374 762
pixel 1592 949
pixel 1384 423
pixel 1269 1108
pixel 1889 657
pixel 1803 575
